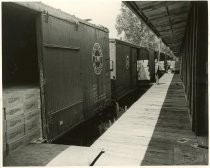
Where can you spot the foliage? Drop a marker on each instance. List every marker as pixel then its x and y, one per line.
pixel 135 31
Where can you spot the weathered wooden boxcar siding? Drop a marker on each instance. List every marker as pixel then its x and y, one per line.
pixel 194 68
pixel 122 72
pixel 67 79
pixel 152 65
pixel 62 82
pixel 96 87
pixel 133 67
pixel 143 54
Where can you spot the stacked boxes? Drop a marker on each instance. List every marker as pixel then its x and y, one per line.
pixel 22 116
pixel 143 70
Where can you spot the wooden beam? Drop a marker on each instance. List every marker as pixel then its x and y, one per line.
pixel 159 16
pixel 170 16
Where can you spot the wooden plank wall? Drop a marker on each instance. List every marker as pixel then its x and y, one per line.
pixel 194 68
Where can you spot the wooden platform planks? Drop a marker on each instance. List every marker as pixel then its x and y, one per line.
pixel 130 136
pixel 148 133
pixel 75 156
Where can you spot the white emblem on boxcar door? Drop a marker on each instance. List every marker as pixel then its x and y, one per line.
pixel 97 58
pixel 127 62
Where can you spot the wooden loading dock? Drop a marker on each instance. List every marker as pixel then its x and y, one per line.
pixel 151 132
pixel 183 26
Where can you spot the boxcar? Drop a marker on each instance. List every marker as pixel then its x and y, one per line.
pixel 66 57
pixel 123 67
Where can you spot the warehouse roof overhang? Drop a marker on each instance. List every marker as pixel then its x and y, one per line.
pixel 167 19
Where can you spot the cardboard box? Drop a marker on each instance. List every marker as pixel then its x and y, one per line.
pixel 30 106
pixel 31 126
pixel 15 134
pixel 34 135
pixel 30 95
pixel 32 115
pixel 28 92
pixel 12 146
pixel 11 99
pixel 14 122
pixel 11 112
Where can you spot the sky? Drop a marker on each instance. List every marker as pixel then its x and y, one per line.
pixel 102 12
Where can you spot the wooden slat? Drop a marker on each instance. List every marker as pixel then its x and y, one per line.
pixel 148 132
pixel 134 129
pixel 158 15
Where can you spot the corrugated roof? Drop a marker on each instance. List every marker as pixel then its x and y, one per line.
pixel 167 19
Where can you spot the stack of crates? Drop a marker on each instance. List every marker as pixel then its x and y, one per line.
pixel 22 117
pixel 143 70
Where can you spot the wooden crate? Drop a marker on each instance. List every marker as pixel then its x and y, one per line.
pixel 12 111
pixel 14 122
pixel 32 136
pixel 30 106
pixel 31 126
pixel 11 99
pixel 12 146
pixel 30 95
pixel 15 133
pixel 29 116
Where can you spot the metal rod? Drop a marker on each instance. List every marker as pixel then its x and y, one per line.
pixel 67 107
pixel 61 47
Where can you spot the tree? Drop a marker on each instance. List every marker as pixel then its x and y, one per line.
pixel 135 31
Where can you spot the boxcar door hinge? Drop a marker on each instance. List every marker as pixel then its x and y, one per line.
pixel 46 16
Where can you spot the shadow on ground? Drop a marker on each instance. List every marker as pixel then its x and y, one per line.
pixel 173 142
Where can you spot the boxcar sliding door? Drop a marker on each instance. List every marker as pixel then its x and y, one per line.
pixel 59 60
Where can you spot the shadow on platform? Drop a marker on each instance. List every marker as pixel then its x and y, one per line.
pixel 173 142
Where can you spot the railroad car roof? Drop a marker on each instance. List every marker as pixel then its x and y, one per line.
pixel 112 40
pixel 41 7
pixel 124 42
